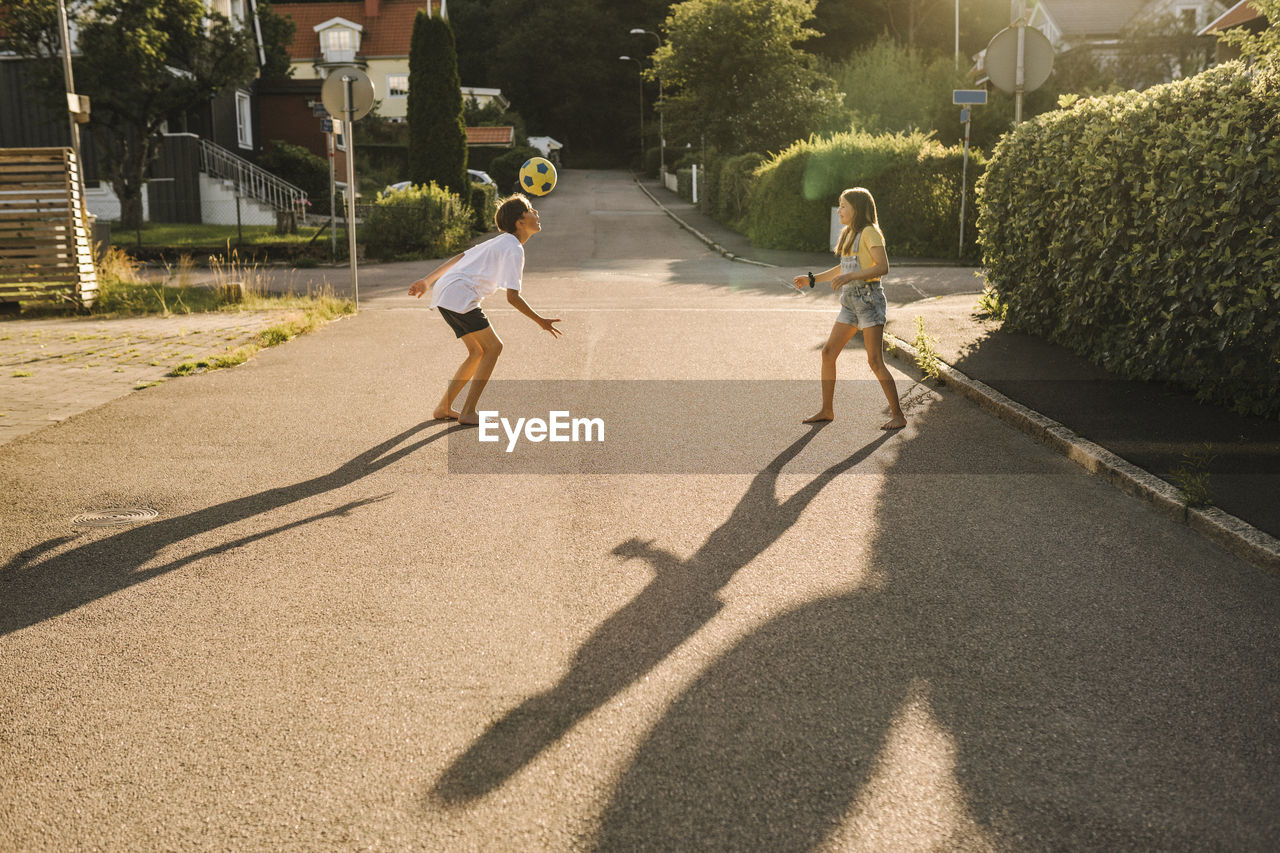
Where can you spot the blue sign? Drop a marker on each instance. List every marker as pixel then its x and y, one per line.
pixel 326 125
pixel 969 96
pixel 964 116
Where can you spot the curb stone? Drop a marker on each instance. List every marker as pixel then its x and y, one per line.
pixel 1227 531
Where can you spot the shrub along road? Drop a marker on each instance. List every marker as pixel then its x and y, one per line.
pixel 352 627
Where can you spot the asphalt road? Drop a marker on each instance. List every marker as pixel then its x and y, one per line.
pixel 353 628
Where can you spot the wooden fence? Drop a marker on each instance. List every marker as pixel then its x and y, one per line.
pixel 45 244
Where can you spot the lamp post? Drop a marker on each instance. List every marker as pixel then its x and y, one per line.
pixel 662 137
pixel 640 68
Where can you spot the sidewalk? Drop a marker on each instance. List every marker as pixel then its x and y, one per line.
pixel 1124 430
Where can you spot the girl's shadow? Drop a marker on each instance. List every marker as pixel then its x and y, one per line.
pixel 679 600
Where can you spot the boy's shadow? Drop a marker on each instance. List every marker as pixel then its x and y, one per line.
pixel 678 601
pixel 33 589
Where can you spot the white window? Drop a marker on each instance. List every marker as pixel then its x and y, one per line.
pixel 237 11
pixel 244 120
pixel 339 40
pixel 339 45
pixel 397 85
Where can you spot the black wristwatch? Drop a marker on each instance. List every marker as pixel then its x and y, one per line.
pixel 811 279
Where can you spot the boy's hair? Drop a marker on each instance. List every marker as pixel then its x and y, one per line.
pixel 864 214
pixel 510 211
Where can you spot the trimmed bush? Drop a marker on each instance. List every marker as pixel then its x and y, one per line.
pixel 417 222
pixel 733 188
pixel 483 206
pixel 915 181
pixel 1139 230
pixel 505 170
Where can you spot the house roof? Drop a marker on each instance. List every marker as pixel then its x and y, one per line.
pixel 386 33
pixel 1076 18
pixel 1241 13
pixel 491 135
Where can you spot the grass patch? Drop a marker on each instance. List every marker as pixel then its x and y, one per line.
pixel 180 235
pixel 927 358
pixel 21 374
pixel 1191 477
pixel 989 305
pixel 314 313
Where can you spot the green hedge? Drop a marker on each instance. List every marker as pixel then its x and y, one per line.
pixel 915 182
pixel 417 222
pixel 733 181
pixel 1140 230
pixel 483 207
pixel 505 168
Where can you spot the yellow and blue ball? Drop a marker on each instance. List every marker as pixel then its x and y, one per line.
pixel 537 176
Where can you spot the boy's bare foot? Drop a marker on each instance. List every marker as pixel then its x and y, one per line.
pixel 819 418
pixel 444 415
pixel 469 418
pixel 897 423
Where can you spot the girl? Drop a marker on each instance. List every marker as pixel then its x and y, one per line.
pixel 461 284
pixel 862 305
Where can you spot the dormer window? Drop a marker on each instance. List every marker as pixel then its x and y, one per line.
pixel 339 40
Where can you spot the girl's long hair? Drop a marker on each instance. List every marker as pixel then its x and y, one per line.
pixel 864 214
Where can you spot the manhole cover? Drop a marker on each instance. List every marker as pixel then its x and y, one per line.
pixel 114 517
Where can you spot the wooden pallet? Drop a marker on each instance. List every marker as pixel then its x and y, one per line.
pixel 45 246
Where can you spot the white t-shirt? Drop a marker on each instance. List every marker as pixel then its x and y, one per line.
pixel 482 270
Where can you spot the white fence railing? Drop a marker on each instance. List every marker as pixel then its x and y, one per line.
pixel 251 181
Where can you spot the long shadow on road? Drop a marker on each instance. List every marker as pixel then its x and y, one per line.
pixel 1043 667
pixel 34 587
pixel 678 601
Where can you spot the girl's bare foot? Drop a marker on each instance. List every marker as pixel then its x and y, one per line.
pixel 897 423
pixel 443 414
pixel 819 418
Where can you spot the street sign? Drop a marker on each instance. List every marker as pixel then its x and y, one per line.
pixel 1001 63
pixel 318 110
pixel 969 96
pixel 334 98
pixel 326 125
pixel 964 115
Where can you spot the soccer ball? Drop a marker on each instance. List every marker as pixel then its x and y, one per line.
pixel 537 176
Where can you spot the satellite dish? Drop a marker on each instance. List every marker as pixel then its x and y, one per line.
pixel 333 95
pixel 1001 63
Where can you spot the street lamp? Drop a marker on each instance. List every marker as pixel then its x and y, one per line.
pixel 640 66
pixel 662 137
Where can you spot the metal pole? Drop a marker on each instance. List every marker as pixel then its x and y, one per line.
pixel 964 183
pixel 957 35
pixel 333 200
pixel 642 119
pixel 1019 79
pixel 348 133
pixel 64 34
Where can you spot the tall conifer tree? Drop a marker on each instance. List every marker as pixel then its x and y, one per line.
pixel 437 134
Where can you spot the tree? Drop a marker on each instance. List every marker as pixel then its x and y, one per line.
pixel 142 62
pixel 437 136
pixel 735 77
pixel 850 26
pixel 892 88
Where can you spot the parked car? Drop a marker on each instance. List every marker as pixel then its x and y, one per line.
pixel 476 176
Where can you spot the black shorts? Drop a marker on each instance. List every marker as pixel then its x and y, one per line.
pixel 464 324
